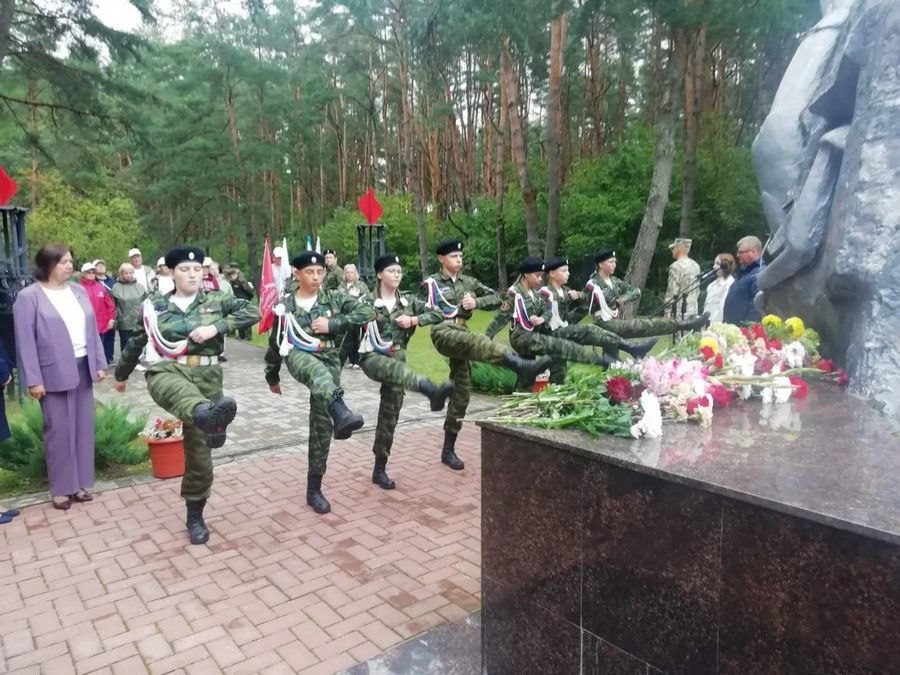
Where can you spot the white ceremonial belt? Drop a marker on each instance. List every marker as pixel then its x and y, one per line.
pixel 458 320
pixel 194 360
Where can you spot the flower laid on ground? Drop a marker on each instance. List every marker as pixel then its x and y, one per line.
pixel 163 427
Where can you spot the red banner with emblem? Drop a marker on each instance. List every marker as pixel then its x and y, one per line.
pixel 268 293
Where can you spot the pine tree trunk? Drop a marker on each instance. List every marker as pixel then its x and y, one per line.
pixel 33 127
pixel 517 140
pixel 693 86
pixel 597 88
pixel 554 114
pixel 500 190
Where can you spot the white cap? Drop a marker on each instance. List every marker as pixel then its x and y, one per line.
pixel 133 252
pixel 277 252
pixel 88 266
pixel 99 261
pixel 161 262
pixel 208 262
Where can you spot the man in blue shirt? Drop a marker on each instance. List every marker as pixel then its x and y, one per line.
pixel 739 308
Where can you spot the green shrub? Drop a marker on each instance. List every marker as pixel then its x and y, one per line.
pixel 23 452
pixel 490 379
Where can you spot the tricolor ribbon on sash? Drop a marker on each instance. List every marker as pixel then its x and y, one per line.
pixel 162 346
pixel 606 313
pixel 436 299
pixel 555 319
pixel 373 342
pixel 291 335
pixel 520 314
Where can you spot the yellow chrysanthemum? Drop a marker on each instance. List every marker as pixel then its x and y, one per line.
pixel 795 323
pixel 710 342
pixel 771 321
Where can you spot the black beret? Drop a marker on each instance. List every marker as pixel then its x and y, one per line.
pixel 386 260
pixel 531 264
pixel 555 263
pixel 449 246
pixel 307 259
pixel 181 254
pixel 604 254
pixel 329 250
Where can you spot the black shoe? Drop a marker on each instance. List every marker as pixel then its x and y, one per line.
pixel 448 452
pixel 379 474
pixel 639 349
pixel 695 322
pixel 437 395
pixel 314 496
pixel 223 358
pixel 605 360
pixel 345 422
pixel 213 418
pixel 196 528
pixel 526 369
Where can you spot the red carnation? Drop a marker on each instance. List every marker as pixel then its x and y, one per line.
pixel 707 353
pixel 695 403
pixel 774 344
pixel 842 377
pixel 619 389
pixel 800 387
pixel 825 365
pixel 758 331
pixel 764 366
pixel 719 361
pixel 721 395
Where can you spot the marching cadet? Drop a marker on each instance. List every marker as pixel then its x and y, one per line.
pixel 311 322
pixel 608 294
pixel 383 356
pixel 683 289
pixel 456 295
pixel 187 328
pixel 529 316
pixel 566 308
pixel 334 273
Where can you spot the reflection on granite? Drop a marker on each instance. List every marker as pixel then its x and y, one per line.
pixel 651 591
pixel 450 649
pixel 602 658
pixel 822 601
pixel 830 458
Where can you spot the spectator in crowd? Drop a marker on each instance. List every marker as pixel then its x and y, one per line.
pixel 240 288
pixel 714 305
pixel 61 355
pixel 143 274
pixel 352 285
pixel 739 307
pixel 5 378
pixel 128 295
pixel 102 276
pixel 164 281
pixel 104 308
pixel 210 281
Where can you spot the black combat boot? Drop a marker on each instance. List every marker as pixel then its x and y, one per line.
pixel 448 452
pixel 605 360
pixel 379 474
pixel 526 369
pixel 345 421
pixel 638 349
pixel 213 417
pixel 694 322
pixel 195 526
pixel 314 496
pixel 437 395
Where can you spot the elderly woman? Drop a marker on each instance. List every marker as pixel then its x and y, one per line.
pixel 717 291
pixel 61 356
pixel 128 296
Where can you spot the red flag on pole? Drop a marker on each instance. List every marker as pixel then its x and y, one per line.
pixel 369 206
pixel 8 187
pixel 268 293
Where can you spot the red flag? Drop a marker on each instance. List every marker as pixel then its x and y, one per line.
pixel 268 293
pixel 369 206
pixel 8 187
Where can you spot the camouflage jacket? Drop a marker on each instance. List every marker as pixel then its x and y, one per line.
pixel 618 289
pixel 406 304
pixel 454 291
pixel 683 274
pixel 571 310
pixel 342 311
pixel 333 278
pixel 534 306
pixel 209 308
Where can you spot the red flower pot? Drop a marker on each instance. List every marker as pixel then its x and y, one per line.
pixel 167 456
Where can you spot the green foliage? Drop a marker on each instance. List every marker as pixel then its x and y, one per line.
pixel 23 452
pixel 490 379
pixel 116 437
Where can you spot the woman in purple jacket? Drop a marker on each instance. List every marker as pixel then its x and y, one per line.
pixel 60 356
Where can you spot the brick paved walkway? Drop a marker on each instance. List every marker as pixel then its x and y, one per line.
pixel 114 587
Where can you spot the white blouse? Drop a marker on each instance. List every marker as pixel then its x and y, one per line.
pixel 716 293
pixel 65 302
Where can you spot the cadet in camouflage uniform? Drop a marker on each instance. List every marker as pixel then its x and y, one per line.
pixel 608 294
pixel 334 273
pixel 570 308
pixel 529 316
pixel 383 356
pixel 456 296
pixel 312 321
pixel 683 289
pixel 187 328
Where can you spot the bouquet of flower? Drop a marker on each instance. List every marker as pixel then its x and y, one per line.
pixel 163 427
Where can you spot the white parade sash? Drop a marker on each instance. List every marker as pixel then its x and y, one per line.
pixel 555 319
pixel 605 311
pixel 161 346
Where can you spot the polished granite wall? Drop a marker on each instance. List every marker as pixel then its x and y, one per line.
pixel 590 566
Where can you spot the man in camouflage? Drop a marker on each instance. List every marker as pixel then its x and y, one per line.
pixel 311 324
pixel 334 273
pixel 529 317
pixel 187 328
pixel 383 356
pixel 456 296
pixel 683 289
pixel 608 294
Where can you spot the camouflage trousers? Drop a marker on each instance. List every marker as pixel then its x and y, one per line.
pixel 538 344
pixel 178 389
pixel 395 377
pixel 461 346
pixel 320 372
pixel 640 326
pixel 583 334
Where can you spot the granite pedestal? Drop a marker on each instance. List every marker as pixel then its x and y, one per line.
pixel 768 543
